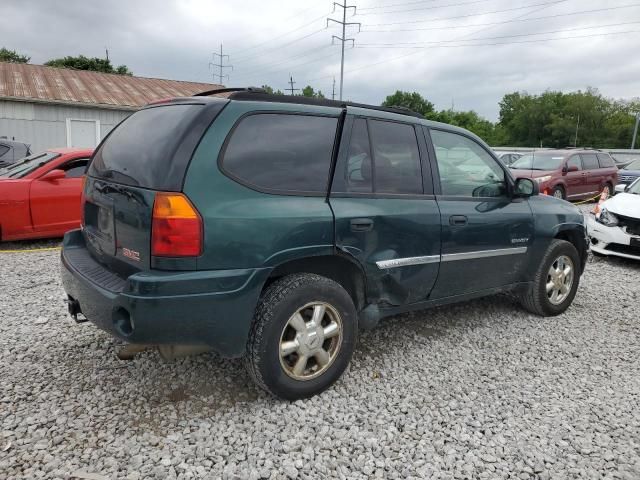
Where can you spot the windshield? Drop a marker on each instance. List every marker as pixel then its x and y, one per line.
pixel 635 165
pixel 634 188
pixel 538 161
pixel 27 165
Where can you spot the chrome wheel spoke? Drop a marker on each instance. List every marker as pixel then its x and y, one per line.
pixel 549 287
pixel 331 330
pixel 322 357
pixel 301 365
pixel 288 347
pixel 318 314
pixel 298 323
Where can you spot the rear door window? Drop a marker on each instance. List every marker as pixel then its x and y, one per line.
pixel 396 158
pixel 141 151
pixel 281 153
pixel 605 160
pixel 589 161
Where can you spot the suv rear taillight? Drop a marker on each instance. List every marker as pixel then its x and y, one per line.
pixel 82 200
pixel 176 228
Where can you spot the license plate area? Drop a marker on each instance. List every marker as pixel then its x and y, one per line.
pixel 99 226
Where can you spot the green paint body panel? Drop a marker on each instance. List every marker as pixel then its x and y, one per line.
pixel 248 233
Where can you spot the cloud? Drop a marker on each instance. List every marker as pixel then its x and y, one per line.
pixel 268 41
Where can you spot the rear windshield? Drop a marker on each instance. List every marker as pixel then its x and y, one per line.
pixel 140 151
pixel 538 161
pixel 24 167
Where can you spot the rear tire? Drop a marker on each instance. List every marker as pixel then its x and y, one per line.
pixel 551 291
pixel 558 192
pixel 303 336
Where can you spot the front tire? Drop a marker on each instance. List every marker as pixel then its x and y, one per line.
pixel 556 281
pixel 303 336
pixel 558 192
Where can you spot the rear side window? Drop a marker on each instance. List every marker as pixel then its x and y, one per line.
pixel 396 158
pixel 281 152
pixel 589 161
pixel 141 151
pixel 605 161
pixel 3 149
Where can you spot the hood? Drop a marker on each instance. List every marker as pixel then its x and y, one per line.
pixel 625 204
pixel 530 173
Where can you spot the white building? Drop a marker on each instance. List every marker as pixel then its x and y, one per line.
pixel 58 107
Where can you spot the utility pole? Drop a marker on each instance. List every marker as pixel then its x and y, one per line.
pixel 221 66
pixel 575 141
pixel 333 89
pixel 291 83
pixel 106 50
pixel 635 131
pixel 343 39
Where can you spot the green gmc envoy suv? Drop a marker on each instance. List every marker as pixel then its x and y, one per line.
pixel 275 227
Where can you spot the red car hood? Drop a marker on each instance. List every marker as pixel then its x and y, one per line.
pixel 530 173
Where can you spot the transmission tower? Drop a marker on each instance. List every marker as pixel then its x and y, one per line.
pixel 343 38
pixel 333 89
pixel 291 83
pixel 221 66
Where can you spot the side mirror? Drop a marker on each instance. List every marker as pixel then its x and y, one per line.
pixel 53 175
pixel 621 188
pixel 525 187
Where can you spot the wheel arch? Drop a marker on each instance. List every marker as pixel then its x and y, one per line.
pixel 574 234
pixel 338 268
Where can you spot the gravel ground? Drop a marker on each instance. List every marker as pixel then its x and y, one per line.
pixel 477 390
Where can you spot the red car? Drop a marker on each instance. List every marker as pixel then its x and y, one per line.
pixel 569 174
pixel 40 194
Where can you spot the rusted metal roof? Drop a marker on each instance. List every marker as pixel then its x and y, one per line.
pixel 39 83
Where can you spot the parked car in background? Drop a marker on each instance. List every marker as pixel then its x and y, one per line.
pixel 275 227
pixel 40 194
pixel 568 174
pixel 615 229
pixel 508 157
pixel 12 151
pixel 630 173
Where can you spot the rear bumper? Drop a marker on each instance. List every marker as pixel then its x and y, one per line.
pixel 213 308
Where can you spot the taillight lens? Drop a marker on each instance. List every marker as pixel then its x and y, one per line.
pixel 176 228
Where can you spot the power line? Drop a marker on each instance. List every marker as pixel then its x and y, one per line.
pixel 503 43
pixel 220 65
pixel 434 7
pixel 343 39
pixel 400 44
pixel 291 82
pixel 397 4
pixel 486 13
pixel 292 67
pixel 418 50
pixel 278 47
pixel 258 45
pixel 271 66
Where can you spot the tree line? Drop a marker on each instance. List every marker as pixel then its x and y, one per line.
pixel 551 119
pixel 79 62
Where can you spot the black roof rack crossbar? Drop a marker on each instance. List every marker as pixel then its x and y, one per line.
pixel 206 93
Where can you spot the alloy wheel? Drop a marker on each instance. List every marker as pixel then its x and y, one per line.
pixel 560 279
pixel 310 341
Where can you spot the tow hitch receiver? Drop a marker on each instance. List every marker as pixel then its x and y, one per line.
pixel 74 310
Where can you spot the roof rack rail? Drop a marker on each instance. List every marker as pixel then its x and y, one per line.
pixel 206 93
pixel 582 148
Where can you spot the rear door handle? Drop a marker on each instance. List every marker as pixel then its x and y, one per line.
pixel 457 220
pixel 361 225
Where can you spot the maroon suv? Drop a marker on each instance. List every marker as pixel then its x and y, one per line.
pixel 568 174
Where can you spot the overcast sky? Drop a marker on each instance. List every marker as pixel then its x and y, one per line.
pixel 468 53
